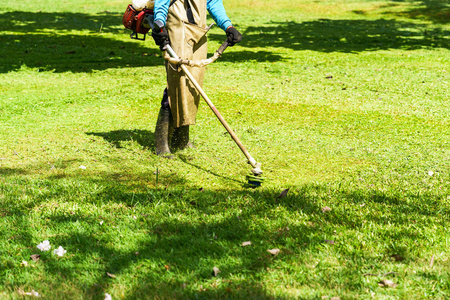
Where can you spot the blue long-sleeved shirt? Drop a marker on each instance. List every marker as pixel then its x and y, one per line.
pixel 214 7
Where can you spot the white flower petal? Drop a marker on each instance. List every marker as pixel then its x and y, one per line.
pixel 32 293
pixel 44 246
pixel 60 251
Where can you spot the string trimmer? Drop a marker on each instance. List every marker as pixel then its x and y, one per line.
pixel 140 19
pixel 254 178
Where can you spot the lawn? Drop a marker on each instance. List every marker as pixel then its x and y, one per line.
pixel 345 103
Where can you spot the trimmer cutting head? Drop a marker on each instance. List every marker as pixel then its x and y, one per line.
pixel 255 179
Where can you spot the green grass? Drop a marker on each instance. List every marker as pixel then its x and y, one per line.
pixel 345 103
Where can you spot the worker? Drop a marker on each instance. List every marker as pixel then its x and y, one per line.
pixel 182 24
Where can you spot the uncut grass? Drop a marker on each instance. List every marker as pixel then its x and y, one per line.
pixel 348 110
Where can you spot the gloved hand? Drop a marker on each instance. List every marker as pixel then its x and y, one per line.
pixel 160 35
pixel 233 36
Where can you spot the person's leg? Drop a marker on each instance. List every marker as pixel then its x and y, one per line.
pixel 164 128
pixel 180 138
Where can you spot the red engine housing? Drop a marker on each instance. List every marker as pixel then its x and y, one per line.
pixel 137 21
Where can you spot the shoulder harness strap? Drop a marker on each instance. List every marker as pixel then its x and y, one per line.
pixel 189 14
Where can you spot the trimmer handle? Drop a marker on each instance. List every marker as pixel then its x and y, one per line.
pixel 173 58
pixel 222 48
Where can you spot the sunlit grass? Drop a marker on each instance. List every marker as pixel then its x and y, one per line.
pixel 343 102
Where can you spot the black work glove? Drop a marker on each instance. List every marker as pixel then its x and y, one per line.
pixel 161 36
pixel 233 36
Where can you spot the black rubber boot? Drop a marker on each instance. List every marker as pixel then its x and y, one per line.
pixel 163 131
pixel 180 138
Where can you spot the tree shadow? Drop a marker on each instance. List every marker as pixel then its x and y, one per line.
pixel 62 53
pixel 437 11
pixel 171 255
pixel 30 22
pixel 44 41
pixel 349 36
pixel 145 138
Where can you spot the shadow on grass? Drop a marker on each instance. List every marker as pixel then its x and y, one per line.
pixel 145 138
pixel 11 171
pixel 179 234
pixel 169 247
pixel 45 40
pixel 437 11
pixel 184 159
pixel 349 36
